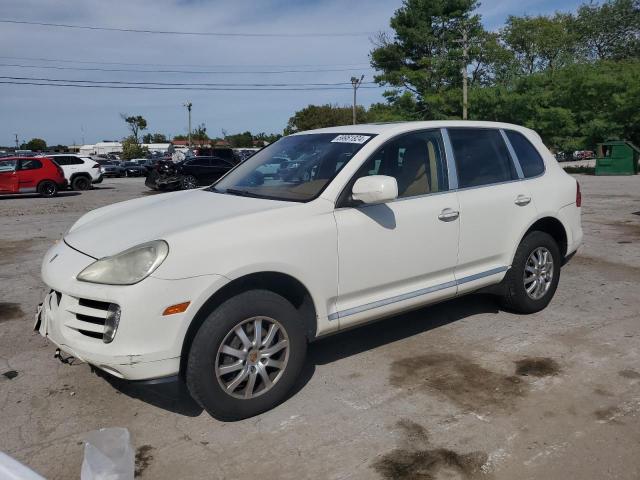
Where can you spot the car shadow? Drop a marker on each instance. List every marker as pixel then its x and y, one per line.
pixel 15 196
pixel 170 396
pixel 101 187
pixel 174 396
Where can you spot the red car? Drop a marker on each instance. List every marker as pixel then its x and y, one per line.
pixel 30 175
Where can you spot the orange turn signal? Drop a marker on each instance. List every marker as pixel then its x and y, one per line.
pixel 177 308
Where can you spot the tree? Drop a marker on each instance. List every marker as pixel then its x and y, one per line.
pixel 199 134
pixel 610 31
pixel 35 144
pixel 319 116
pixel 135 124
pixel 132 149
pixel 539 43
pixel 425 55
pixel 154 138
pixel 240 140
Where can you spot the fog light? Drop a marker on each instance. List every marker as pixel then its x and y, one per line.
pixel 111 323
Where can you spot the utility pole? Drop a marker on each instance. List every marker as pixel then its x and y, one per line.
pixel 355 82
pixel 17 144
pixel 189 105
pixel 463 70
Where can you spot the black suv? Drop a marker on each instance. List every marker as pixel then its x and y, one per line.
pixel 190 173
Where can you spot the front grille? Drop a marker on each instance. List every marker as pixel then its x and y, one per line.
pixel 88 316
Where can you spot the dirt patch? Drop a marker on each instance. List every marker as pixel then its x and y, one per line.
pixel 610 271
pixel 629 373
pixel 537 367
pixel 602 392
pixel 416 460
pixel 609 414
pixel 10 311
pixel 467 384
pixel 143 459
pixel 12 250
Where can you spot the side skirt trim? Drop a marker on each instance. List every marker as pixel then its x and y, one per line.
pixel 416 293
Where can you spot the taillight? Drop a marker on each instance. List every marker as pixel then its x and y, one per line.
pixel 578 195
pixel 97 165
pixel 59 169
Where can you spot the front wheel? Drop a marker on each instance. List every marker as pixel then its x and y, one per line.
pixel 533 277
pixel 247 355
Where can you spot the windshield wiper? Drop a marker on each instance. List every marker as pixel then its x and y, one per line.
pixel 242 193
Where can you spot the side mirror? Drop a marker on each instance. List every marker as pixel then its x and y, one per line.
pixel 375 189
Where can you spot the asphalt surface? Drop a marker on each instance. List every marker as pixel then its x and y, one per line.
pixel 458 390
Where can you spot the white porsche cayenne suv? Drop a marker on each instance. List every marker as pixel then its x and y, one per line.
pixel 223 287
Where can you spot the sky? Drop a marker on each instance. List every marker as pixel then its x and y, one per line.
pixel 87 115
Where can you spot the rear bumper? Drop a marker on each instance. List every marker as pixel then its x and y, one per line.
pixel 98 180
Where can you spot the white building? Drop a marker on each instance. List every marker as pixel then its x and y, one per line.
pixel 101 148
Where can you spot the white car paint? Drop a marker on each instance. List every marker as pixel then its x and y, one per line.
pixel 87 166
pixel 358 264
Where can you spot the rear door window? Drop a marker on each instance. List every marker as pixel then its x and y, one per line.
pixel 74 161
pixel 529 158
pixel 31 164
pixel 481 157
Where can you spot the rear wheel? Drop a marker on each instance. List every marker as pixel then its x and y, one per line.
pixel 246 356
pixel 47 188
pixel 80 183
pixel 533 277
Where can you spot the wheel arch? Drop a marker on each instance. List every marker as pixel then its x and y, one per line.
pixel 552 226
pixel 283 284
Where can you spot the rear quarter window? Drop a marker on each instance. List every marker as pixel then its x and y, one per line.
pixel 481 157
pixel 529 158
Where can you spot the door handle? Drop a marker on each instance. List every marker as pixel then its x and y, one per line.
pixel 448 215
pixel 522 200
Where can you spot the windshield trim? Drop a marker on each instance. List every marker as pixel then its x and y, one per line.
pixel 212 188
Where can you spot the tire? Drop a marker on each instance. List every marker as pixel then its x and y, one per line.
pixel 47 188
pixel 80 183
pixel 526 273
pixel 207 382
pixel 189 182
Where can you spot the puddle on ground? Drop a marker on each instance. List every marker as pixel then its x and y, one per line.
pixel 418 460
pixel 10 311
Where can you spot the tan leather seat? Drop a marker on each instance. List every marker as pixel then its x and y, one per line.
pixel 413 179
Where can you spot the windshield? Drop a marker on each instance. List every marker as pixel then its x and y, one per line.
pixel 295 168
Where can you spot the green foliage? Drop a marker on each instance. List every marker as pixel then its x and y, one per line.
pixel 135 123
pixel 319 116
pixel 132 149
pixel 571 77
pixel 240 139
pixel 609 31
pixel 154 138
pixel 35 144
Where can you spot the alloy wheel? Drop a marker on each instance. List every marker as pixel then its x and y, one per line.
pixel 252 357
pixel 189 182
pixel 538 273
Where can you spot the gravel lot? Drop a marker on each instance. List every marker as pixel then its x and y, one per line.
pixel 459 390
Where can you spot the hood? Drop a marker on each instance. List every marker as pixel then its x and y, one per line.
pixel 112 229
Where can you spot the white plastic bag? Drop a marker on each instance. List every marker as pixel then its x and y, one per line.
pixel 108 455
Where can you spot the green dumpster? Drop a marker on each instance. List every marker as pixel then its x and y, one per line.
pixel 617 157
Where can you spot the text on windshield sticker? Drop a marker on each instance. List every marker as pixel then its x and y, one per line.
pixel 351 139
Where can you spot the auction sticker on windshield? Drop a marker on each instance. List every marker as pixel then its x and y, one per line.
pixel 351 139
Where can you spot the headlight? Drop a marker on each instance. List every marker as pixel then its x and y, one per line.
pixel 128 267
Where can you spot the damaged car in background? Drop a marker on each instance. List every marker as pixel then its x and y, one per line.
pixel 190 173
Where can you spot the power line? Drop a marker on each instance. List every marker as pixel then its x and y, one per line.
pixel 172 84
pixel 175 32
pixel 198 72
pixel 149 87
pixel 102 62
